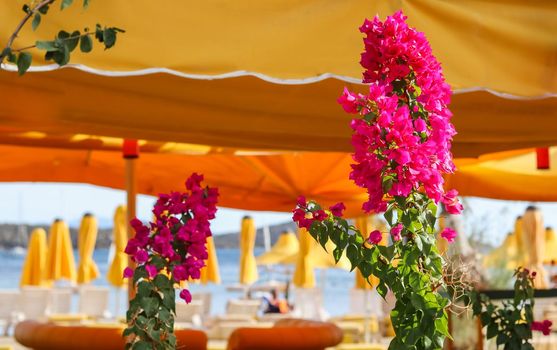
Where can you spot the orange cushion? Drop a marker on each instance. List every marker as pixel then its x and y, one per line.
pixel 289 334
pixel 49 336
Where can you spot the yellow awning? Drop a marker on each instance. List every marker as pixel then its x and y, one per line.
pixel 266 75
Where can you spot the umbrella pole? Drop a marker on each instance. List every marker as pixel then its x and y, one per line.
pixel 131 197
pixel 366 317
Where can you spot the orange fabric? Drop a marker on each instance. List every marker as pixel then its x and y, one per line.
pixel 287 334
pixel 245 182
pixel 257 115
pixel 49 336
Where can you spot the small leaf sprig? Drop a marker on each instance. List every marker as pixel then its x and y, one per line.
pixel 58 50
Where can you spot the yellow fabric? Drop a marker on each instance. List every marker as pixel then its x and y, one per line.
pixel 534 233
pixel 257 115
pixel 366 224
pixel 507 175
pixel 248 266
pixel 120 260
pixel 501 45
pixel 286 246
pixel 550 256
pixel 505 255
pixel 33 272
pixel 60 261
pixel 87 237
pixel 210 273
pixel 304 274
pixel 442 244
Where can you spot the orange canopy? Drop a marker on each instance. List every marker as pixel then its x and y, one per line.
pixel 245 182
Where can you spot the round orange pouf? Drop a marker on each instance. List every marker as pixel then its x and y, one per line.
pixel 50 336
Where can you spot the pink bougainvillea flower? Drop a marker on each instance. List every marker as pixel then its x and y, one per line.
pixel 450 200
pixel 186 295
pixel 337 209
pixel 151 270
pixel 141 256
pixel 395 232
pixel 449 234
pixel 543 326
pixel 375 237
pixel 128 272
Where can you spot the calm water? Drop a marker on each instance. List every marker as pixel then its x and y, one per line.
pixel 337 283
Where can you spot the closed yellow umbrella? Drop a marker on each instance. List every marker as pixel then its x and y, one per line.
pixel 304 276
pixel 282 251
pixel 522 243
pixel 534 233
pixel 366 224
pixel 248 266
pixel 60 261
pixel 504 255
pixel 550 256
pixel 33 273
pixel 86 239
pixel 210 273
pixel 119 240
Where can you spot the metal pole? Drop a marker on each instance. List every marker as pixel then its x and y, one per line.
pixel 131 193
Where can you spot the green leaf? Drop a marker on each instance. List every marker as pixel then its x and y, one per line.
pixel 85 4
pixel 46 45
pixel 144 289
pixel 62 57
pixel 36 21
pixel 150 306
pixel 65 4
pixel 492 330
pixel 24 60
pixel 109 37
pixel 73 40
pixel 43 10
pixel 337 254
pixel 86 44
pixel 382 289
pixel 353 254
pixel 141 345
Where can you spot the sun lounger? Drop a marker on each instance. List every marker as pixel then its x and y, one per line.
pixel 189 315
pixel 8 308
pixel 93 301
pixel 34 302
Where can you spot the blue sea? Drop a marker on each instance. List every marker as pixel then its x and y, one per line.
pixel 335 283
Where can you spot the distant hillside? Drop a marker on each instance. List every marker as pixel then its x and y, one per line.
pixel 231 240
pixel 12 236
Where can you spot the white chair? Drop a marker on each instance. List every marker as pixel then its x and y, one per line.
pixel 308 304
pixel 34 302
pixel 9 304
pixel 93 301
pixel 206 299
pixel 188 315
pixel 248 307
pixel 60 301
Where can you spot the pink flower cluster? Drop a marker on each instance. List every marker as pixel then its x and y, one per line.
pixel 543 326
pixel 402 140
pixel 306 213
pixel 178 234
